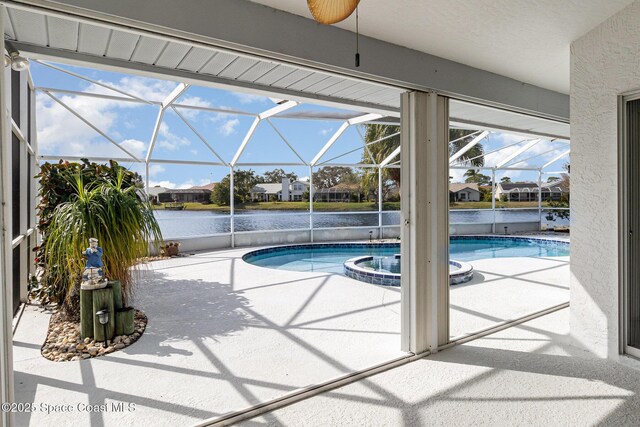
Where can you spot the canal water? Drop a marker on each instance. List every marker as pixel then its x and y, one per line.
pixel 201 223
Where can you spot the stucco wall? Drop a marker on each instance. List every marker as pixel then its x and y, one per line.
pixel 604 63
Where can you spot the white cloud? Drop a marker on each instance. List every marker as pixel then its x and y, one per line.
pixel 164 183
pixel 155 170
pixel 457 175
pixel 169 140
pixel 325 132
pixel 249 98
pixel 141 87
pixel 226 122
pixel 196 101
pixel 229 127
pixel 135 147
pixel 187 184
pixel 59 130
pixel 61 133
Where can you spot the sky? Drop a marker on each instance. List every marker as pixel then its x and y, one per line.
pixel 130 126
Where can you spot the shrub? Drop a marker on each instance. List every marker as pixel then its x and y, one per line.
pixel 83 200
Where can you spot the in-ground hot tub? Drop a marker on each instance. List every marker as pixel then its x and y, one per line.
pixel 385 271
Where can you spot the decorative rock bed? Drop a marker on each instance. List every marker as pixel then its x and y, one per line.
pixel 63 341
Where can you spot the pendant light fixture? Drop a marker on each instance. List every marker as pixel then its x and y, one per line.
pixel 331 11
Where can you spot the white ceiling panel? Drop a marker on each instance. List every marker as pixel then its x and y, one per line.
pixel 122 44
pixel 310 80
pixel 218 63
pixel 479 116
pixel 275 74
pixel 324 84
pixel 292 78
pixel 8 28
pixel 237 67
pixel 172 55
pixel 148 50
pixel 63 34
pixel 259 70
pixel 347 91
pixel 344 84
pixel 93 39
pixel 195 59
pixel 29 27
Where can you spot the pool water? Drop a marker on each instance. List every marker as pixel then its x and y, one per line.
pixel 387 264
pixel 321 258
pixel 330 258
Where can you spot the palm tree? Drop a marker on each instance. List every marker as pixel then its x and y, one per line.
pixel 381 150
pixel 376 153
pixel 473 157
pixel 473 175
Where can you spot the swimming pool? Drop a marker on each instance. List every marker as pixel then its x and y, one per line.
pixel 330 257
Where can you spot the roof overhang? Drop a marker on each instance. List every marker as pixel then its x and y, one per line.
pixel 255 31
pixel 150 41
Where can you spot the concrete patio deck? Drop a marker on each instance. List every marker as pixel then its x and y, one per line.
pixel 224 335
pixel 527 375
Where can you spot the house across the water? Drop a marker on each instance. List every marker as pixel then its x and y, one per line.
pixel 185 195
pixel 528 191
pixel 464 192
pixel 285 191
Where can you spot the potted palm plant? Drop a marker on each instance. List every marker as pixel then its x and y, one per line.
pixel 111 209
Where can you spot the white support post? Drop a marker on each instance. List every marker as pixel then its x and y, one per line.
pixel 6 277
pixel 540 197
pixel 231 207
pixel 24 251
pixel 311 193
pixel 493 199
pixel 380 202
pixel 425 229
pixel 32 181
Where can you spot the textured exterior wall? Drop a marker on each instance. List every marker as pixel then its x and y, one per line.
pixel 604 64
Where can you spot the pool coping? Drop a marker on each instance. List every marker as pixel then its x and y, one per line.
pixel 355 271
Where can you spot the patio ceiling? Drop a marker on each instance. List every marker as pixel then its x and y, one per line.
pixel 63 38
pixel 525 40
pixel 42 34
